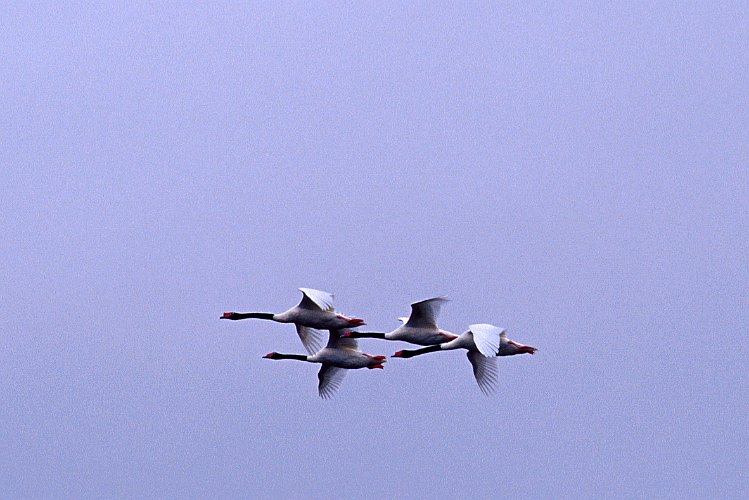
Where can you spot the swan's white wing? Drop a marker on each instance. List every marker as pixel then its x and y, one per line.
pixel 330 378
pixel 316 299
pixel 403 319
pixel 424 313
pixel 486 338
pixel 336 341
pixel 311 338
pixel 485 371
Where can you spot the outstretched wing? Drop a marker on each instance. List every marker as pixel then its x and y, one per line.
pixel 316 299
pixel 485 371
pixel 311 338
pixel 337 341
pixel 424 313
pixel 486 338
pixel 330 378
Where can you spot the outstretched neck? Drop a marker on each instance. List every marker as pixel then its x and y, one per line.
pixel 276 355
pixel 235 315
pixel 364 335
pixel 416 352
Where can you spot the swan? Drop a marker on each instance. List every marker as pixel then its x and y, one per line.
pixel 419 328
pixel 315 312
pixel 484 343
pixel 340 354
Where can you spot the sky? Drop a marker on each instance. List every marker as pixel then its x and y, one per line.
pixel 573 172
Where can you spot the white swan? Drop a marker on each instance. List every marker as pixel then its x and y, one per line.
pixel 315 312
pixel 484 343
pixel 340 354
pixel 419 328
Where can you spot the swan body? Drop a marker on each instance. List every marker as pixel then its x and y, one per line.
pixel 484 343
pixel 340 354
pixel 419 328
pixel 315 312
pixel 483 338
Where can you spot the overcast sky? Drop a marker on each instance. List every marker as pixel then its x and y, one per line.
pixel 576 173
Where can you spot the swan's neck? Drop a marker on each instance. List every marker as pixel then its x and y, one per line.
pixel 365 335
pixel 416 352
pixel 236 315
pixel 298 357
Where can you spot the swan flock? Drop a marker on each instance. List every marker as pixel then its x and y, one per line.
pixel 482 342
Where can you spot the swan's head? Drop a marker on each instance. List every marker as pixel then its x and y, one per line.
pixel 229 315
pixel 272 355
pixel 402 354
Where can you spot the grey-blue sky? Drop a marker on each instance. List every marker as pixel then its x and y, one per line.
pixel 575 173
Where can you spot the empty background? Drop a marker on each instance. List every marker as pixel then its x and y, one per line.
pixel 574 172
